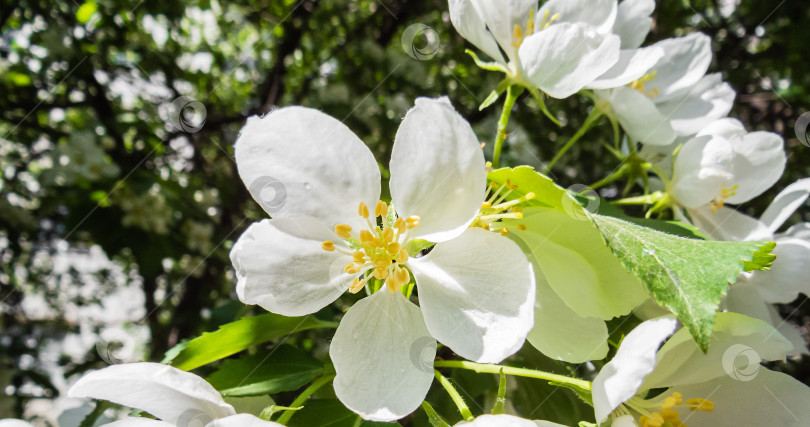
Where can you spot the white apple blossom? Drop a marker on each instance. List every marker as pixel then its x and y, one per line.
pixel 11 422
pixel 177 398
pixel 724 164
pixel 503 420
pixel 475 287
pixel 675 98
pixel 700 389
pixel 560 48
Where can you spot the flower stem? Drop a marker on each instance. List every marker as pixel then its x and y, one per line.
pixel 457 399
pixel 309 391
pixel 508 104
pixel 508 370
pixel 590 121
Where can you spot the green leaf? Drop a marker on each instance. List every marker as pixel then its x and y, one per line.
pixel 86 12
pixel 687 276
pixel 434 418
pixel 284 368
pixel 18 79
pixel 330 413
pixel 237 336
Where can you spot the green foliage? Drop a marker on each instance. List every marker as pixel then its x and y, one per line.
pixel 687 276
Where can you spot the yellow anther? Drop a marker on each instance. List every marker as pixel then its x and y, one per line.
pixel 382 262
pixel 493 185
pixel 381 209
pixel 504 231
pixel 517 36
pixel 362 210
pixel 403 276
pixel 511 186
pixel 521 227
pixel 380 273
pixel 486 205
pixel 388 235
pixel 400 225
pixel 351 269
pixel 393 248
pixel 366 236
pixel 359 257
pixel 530 195
pixel 698 404
pixel 412 222
pixel 654 420
pixel 639 85
pixel 357 285
pixel 669 403
pixel 328 246
pixel 343 230
pixel 403 256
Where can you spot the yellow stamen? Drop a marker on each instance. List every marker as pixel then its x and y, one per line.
pixel 388 234
pixel 380 273
pixel 362 210
pixel 504 231
pixel 403 256
pixel 698 404
pixel 400 225
pixel 343 230
pixel 328 246
pixel 412 222
pixel 393 248
pixel 359 257
pixel 521 227
pixel 366 236
pixel 357 285
pixel 381 210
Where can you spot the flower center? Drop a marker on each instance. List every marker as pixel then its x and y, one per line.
pixel 720 200
pixel 518 35
pixel 666 416
pixel 495 208
pixel 379 248
pixel 639 84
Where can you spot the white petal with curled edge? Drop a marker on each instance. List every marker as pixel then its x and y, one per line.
pixel 707 101
pixel 600 14
pixel 640 117
pixel 727 224
pixel 504 420
pixel 438 171
pixel 383 356
pixel 555 323
pixel 242 420
pixel 467 20
pixel 161 390
pixel 566 57
pixel 768 399
pixel 759 162
pixel 310 163
pixel 785 204
pixel 477 295
pixel 281 266
pixel 631 66
pixel 501 17
pixel 734 336
pixel 788 275
pixel 702 169
pixel 633 22
pixel 685 61
pixel 130 422
pixel 621 378
pixel 15 423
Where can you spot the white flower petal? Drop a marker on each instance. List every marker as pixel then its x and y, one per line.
pixel 640 117
pixel 281 266
pixel 788 275
pixel 468 21
pixel 727 224
pixel 769 399
pixel 599 14
pixel 758 163
pixel 621 378
pixel 555 323
pixel 242 420
pixel 785 204
pixel 633 22
pixel 566 57
pixel 161 390
pixel 624 421
pixel 477 293
pixel 744 298
pixel 681 362
pixel 501 17
pixel 437 170
pixel 702 169
pixel 504 420
pixel 631 66
pixel 727 127
pixel 129 422
pixel 310 163
pixel 383 356
pixel 685 61
pixel 710 99
pixel 14 423
pixel 799 231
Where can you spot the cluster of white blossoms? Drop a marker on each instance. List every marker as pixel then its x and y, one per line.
pixel 436 265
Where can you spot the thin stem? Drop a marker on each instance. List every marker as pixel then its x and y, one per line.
pixel 457 399
pixel 309 391
pixel 508 370
pixel 508 104
pixel 587 125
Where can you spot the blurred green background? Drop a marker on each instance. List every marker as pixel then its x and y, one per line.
pixel 117 209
